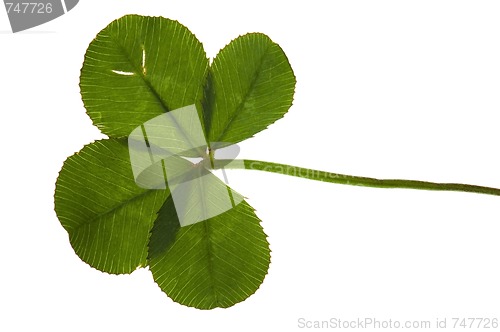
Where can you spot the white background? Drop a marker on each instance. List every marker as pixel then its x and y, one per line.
pixel 389 89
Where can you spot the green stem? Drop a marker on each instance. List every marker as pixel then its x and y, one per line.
pixel 351 179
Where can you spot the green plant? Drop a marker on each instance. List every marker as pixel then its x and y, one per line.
pixel 136 69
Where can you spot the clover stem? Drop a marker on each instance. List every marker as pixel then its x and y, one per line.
pixel 211 157
pixel 351 179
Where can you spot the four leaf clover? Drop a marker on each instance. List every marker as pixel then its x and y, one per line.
pixel 135 70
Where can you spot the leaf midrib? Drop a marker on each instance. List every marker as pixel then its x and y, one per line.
pixel 114 208
pixel 148 84
pixel 210 257
pixel 138 72
pixel 208 244
pixel 247 93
